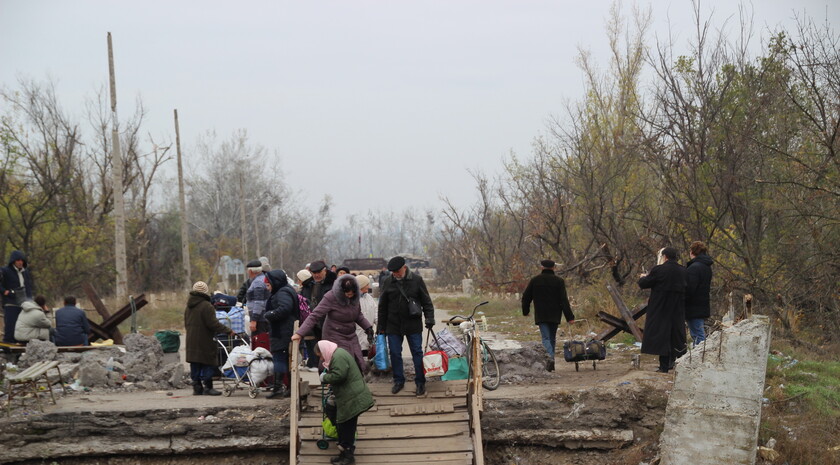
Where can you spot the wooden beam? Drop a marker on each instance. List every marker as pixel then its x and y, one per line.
pixel 294 401
pixel 625 313
pixel 102 310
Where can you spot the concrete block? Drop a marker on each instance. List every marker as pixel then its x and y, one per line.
pixel 714 411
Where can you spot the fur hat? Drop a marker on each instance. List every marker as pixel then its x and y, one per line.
pixel 201 287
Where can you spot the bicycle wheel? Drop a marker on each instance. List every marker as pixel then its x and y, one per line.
pixel 490 375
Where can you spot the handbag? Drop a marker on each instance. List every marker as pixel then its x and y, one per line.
pixel 436 362
pixel 414 308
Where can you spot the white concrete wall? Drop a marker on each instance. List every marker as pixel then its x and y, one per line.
pixel 714 411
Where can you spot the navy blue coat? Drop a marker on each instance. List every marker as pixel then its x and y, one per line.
pixel 71 326
pixel 699 285
pixel 9 279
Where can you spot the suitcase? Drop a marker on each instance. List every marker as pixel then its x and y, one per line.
pixel 581 351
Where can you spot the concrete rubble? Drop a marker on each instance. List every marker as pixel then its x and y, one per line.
pixel 139 364
pixel 714 411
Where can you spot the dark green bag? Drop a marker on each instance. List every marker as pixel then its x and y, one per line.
pixel 170 340
pixel 458 369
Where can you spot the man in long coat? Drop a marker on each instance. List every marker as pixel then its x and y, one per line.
pixel 551 302
pixel 665 321
pixel 201 325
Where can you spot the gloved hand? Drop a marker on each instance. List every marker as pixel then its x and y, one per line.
pixel 369 333
pixel 430 323
pixel 321 376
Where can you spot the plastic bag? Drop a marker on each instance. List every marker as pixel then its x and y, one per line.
pixel 447 342
pixel 435 363
pixel 330 430
pixel 381 360
pixel 458 369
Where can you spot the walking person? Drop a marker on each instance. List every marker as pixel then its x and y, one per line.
pixel 16 285
pixel 337 314
pixel 548 293
pixel 698 288
pixel 201 326
pixel 368 306
pixel 352 396
pixel 396 322
pixel 281 313
pixel 665 320
pixel 313 289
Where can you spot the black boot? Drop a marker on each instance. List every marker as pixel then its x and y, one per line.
pixel 278 390
pixel 208 388
pixel 345 457
pixel 198 389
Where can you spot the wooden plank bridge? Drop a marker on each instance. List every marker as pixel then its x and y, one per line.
pixel 440 428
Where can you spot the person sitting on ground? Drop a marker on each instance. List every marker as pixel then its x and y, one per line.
pixel 71 324
pixel 201 325
pixel 338 313
pixel 352 396
pixel 32 323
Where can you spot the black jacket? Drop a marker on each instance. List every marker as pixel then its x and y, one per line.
pixel 9 280
pixel 665 319
pixel 548 292
pixel 284 301
pixel 699 285
pixel 393 307
pixel 307 286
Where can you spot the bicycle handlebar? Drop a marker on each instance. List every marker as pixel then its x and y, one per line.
pixel 452 320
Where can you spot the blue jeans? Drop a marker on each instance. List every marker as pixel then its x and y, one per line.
pixel 415 345
pixel 698 332
pixel 548 332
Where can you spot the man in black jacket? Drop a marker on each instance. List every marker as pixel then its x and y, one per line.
pixel 395 321
pixel 15 286
pixel 699 285
pixel 548 292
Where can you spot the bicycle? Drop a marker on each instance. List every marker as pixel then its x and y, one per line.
pixel 490 374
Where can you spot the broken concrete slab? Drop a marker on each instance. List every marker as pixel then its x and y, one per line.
pixel 714 411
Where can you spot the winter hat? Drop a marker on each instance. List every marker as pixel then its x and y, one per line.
pixel 317 266
pixel 201 287
pixel 362 281
pixel 264 264
pixel 303 275
pixel 396 263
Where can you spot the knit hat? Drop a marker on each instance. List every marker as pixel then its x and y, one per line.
pixel 303 275
pixel 362 281
pixel 264 264
pixel 201 287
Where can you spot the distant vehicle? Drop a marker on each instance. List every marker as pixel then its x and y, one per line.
pixel 365 266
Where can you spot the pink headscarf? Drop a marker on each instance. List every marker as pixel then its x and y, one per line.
pixel 327 348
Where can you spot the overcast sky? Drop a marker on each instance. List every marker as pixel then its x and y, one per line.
pixel 384 104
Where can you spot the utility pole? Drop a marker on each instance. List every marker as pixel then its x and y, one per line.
pixel 185 238
pixel 242 224
pixel 119 200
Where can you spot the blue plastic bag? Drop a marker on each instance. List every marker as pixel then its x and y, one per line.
pixel 458 369
pixel 381 360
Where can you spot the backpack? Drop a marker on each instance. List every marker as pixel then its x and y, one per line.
pixel 303 308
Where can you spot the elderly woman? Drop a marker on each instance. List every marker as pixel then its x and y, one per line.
pixel 352 396
pixel 338 313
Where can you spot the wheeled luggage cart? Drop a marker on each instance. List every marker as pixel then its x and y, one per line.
pixel 237 376
pixel 581 351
